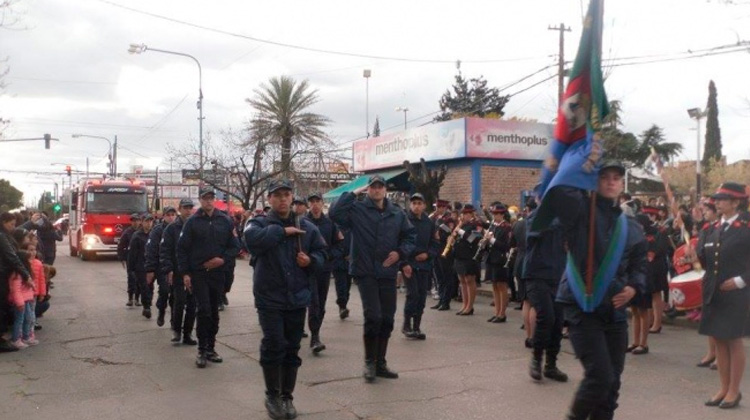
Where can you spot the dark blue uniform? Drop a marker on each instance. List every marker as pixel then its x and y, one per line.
pixel 321 278
pixel 122 254
pixel 205 237
pixel 137 263
pixel 601 337
pixel 183 304
pixel 444 272
pixel 153 266
pixel 342 278
pixel 375 234
pixel 418 284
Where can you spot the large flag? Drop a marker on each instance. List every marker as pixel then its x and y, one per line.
pixel 574 155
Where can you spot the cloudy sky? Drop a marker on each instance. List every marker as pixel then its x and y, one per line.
pixel 70 72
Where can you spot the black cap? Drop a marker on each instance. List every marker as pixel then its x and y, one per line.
pixel 498 207
pixel 148 216
pixel 279 184
pixel 315 195
pixel 206 191
pixel 186 202
pixel 134 217
pixel 299 200
pixel 416 196
pixel 375 179
pixel 468 208
pixel 611 164
pixel 442 203
pixel 730 190
pixel 167 209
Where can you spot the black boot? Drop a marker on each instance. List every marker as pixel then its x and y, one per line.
pixel 551 371
pixel 188 339
pixel 274 405
pixel 146 312
pixel 381 367
pixel 535 367
pixel 371 354
pixel 130 300
pixel 201 361
pixel 343 312
pixel 288 380
pixel 176 335
pixel 315 344
pixel 417 332
pixel 160 318
pixel 407 329
pixel 579 410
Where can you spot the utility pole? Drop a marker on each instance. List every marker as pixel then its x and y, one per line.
pixel 561 62
pixel 114 159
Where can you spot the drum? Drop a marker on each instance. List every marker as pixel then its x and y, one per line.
pixel 679 253
pixel 687 290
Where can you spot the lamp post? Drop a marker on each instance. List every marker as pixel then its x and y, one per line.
pixel 697 114
pixel 366 74
pixel 112 151
pixel 141 48
pixel 404 110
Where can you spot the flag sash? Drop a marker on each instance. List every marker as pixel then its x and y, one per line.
pixel 605 274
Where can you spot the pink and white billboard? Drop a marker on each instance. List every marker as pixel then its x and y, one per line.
pixel 441 141
pixel 499 139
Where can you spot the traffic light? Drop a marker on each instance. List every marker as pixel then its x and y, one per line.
pixel 67 169
pixel 47 140
pixel 56 208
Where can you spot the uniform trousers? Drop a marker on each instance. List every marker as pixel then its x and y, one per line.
pixel 183 307
pixel 207 289
pixel 133 288
pixel 447 281
pixel 343 282
pixel 417 287
pixel 599 343
pixel 549 316
pixel 282 332
pixel 146 291
pixel 163 293
pixel 379 305
pixel 321 282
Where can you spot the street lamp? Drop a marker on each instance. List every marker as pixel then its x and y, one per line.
pixel 112 151
pixel 141 48
pixel 697 114
pixel 366 74
pixel 405 110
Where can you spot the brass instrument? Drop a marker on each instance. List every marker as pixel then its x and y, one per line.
pixel 483 245
pixel 510 257
pixel 451 240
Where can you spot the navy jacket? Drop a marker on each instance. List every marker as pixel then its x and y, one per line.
pixel 330 234
pixel 340 252
pixel 124 244
pixel 498 251
pixel 152 249
pixel 572 207
pixel 375 234
pixel 205 237
pixel 545 254
pixel 425 242
pixel 466 245
pixel 168 246
pixel 137 252
pixel 278 282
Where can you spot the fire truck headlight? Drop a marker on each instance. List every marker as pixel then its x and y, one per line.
pixel 91 239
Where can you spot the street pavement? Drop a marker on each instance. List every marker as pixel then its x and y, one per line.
pixel 100 360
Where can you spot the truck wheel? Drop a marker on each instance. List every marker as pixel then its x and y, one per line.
pixel 73 251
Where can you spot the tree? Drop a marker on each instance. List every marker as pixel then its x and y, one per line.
pixel 618 145
pixel 283 117
pixel 471 98
pixel 10 197
pixel 425 181
pixel 654 137
pixel 712 148
pixel 376 128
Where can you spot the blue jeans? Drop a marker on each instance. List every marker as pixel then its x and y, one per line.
pixel 23 324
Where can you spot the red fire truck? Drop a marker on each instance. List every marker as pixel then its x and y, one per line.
pixel 100 212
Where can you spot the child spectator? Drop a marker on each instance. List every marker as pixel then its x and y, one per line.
pixel 40 284
pixel 21 296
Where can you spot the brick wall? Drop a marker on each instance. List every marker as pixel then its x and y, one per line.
pixel 457 185
pixel 505 184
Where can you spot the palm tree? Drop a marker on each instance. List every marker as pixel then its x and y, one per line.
pixel 283 117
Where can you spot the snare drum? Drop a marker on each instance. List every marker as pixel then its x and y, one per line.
pixel 687 290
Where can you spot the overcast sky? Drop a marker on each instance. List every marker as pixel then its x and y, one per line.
pixel 70 71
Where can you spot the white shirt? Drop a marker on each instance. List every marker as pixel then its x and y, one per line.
pixel 738 281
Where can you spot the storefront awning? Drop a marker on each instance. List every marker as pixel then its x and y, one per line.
pixel 397 179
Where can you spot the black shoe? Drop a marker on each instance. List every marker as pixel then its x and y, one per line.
pixel 288 382
pixel 500 320
pixel 146 313
pixel 343 313
pixel 188 340
pixel 444 308
pixel 304 334
pixel 528 344
pixel 471 312
pixel 274 405
pixel 438 306
pixel 7 347
pixel 289 409
pixel 176 336
pixel 201 360
pixel 129 303
pixel 221 306
pixel 518 308
pixel 369 371
pixel 224 300
pixel 382 371
pixel 37 327
pixel 492 319
pixel 707 363
pixel 535 369
pixel 419 335
pixel 406 329
pixel 160 318
pixel 552 372
pixel 213 357
pixel 713 403
pixel 316 345
pixel 731 404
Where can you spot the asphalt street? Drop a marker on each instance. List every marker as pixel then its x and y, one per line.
pixel 100 360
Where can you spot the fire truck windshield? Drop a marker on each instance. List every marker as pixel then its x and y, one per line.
pixel 120 202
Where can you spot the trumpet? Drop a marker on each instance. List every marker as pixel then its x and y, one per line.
pixel 482 248
pixel 451 240
pixel 510 257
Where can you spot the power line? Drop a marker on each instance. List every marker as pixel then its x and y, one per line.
pixel 304 48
